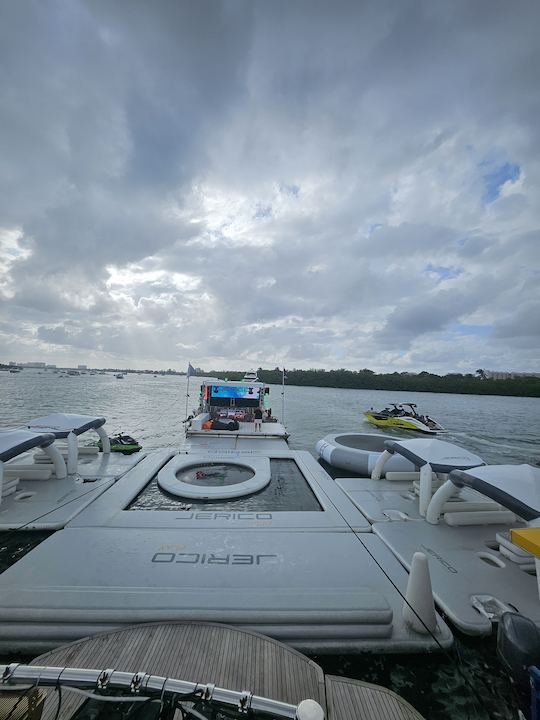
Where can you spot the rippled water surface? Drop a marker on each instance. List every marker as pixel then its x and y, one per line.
pixel 467 682
pixel 500 429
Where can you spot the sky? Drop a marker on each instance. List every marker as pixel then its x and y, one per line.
pixel 249 184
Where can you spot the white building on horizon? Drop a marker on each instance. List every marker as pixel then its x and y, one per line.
pixel 507 375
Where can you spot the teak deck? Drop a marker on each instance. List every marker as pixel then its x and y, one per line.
pixel 228 657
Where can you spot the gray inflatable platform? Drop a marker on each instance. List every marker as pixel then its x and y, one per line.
pixel 382 501
pixel 320 591
pixel 470 580
pixel 50 504
pixel 312 578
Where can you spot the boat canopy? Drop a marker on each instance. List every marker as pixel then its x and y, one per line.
pixel 70 426
pixel 516 487
pixel 61 424
pixel 442 456
pixel 16 441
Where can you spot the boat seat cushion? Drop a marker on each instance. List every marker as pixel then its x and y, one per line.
pixel 61 424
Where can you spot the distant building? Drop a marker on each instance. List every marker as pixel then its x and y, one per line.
pixel 506 375
pixel 82 367
pixel 30 364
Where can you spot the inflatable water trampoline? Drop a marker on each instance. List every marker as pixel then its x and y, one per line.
pixel 358 453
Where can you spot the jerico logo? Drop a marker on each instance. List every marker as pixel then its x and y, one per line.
pixel 224 516
pixel 438 557
pixel 212 559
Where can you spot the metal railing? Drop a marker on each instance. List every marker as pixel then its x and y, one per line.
pixel 141 683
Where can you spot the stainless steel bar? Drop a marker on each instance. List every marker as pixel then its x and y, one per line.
pixel 139 683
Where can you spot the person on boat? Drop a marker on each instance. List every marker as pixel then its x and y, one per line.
pixel 257 415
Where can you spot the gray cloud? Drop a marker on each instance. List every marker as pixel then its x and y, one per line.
pixel 259 182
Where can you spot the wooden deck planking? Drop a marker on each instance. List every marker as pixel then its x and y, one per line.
pixel 356 700
pixel 228 657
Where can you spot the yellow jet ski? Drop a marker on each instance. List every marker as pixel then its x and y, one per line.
pixel 398 416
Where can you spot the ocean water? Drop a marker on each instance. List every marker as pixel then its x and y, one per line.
pixel 465 682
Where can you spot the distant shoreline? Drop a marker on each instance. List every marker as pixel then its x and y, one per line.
pixel 455 384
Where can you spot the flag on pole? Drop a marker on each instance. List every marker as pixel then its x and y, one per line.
pixel 190 370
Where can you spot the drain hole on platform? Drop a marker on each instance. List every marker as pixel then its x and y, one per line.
pixel 491 559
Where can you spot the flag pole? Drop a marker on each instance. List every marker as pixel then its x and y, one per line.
pixel 190 372
pixel 283 396
pixel 187 393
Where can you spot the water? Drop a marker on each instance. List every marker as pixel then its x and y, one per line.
pixel 466 682
pixel 500 429
pixel 287 490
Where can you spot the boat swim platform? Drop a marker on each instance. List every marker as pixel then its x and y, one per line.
pixel 50 503
pixel 226 657
pixel 470 578
pixel 312 579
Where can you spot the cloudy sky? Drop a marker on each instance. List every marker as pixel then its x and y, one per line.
pixel 243 183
